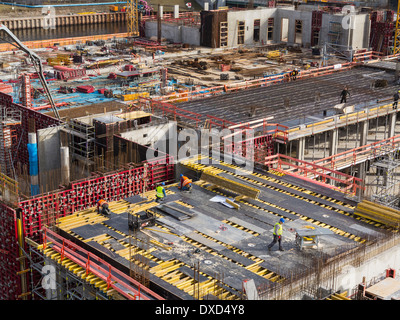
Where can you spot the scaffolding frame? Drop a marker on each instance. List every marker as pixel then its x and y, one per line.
pixel 68 285
pixel 82 142
pixel 9 119
pixel 386 180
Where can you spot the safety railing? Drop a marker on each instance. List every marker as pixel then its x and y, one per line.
pixel 367 55
pixel 360 154
pixel 265 81
pixel 314 173
pixel 9 189
pixel 115 279
pixel 170 110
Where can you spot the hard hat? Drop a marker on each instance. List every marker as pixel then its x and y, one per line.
pixel 181 175
pixel 282 220
pixel 163 183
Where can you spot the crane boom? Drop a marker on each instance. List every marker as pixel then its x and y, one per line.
pixel 36 63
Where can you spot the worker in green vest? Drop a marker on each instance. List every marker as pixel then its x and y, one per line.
pixel 278 230
pixel 160 192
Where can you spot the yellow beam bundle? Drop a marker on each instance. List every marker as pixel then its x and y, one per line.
pixel 230 185
pixel 377 212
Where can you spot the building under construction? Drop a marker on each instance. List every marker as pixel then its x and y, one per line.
pixel 259 128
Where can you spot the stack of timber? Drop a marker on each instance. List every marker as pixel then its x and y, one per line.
pixel 377 212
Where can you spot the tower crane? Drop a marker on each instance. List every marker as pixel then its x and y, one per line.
pixel 36 63
pixel 133 18
pixel 396 46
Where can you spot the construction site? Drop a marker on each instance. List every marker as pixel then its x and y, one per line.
pixel 244 150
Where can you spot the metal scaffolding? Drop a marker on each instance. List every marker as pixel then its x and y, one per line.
pixel 9 119
pixel 68 286
pixel 386 180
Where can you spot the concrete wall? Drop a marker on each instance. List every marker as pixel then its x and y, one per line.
pixel 351 276
pixel 175 33
pixel 48 141
pixel 357 38
pixel 249 16
pixel 360 36
pixel 293 15
pixel 215 5
pixel 63 20
pixel 49 149
pixel 149 135
pixel 190 35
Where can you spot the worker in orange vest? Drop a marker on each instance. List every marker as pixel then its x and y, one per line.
pixel 102 207
pixel 185 184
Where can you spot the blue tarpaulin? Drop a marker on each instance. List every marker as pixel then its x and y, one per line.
pixel 33 159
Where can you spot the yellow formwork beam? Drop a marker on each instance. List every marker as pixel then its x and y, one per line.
pixel 183 281
pixel 185 284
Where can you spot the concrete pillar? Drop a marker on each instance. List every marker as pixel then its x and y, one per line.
pixel 361 173
pixel 301 143
pixel 364 132
pixel 333 141
pixel 392 124
pixel 206 6
pixel 176 11
pixel 64 154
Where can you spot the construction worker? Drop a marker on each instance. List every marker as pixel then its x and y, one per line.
pixel 344 94
pixel 286 77
pixel 185 183
pixel 102 207
pixel 278 230
pixel 160 192
pixel 395 100
pixel 294 74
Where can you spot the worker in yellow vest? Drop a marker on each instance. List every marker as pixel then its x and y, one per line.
pixel 160 192
pixel 185 183
pixel 278 230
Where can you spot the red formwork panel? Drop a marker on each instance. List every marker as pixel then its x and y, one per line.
pixel 10 286
pixel 30 119
pixel 42 210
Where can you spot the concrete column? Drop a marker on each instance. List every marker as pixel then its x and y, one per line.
pixel 361 173
pixel 206 6
pixel 392 124
pixel 64 154
pixel 176 11
pixel 364 132
pixel 301 143
pixel 333 142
